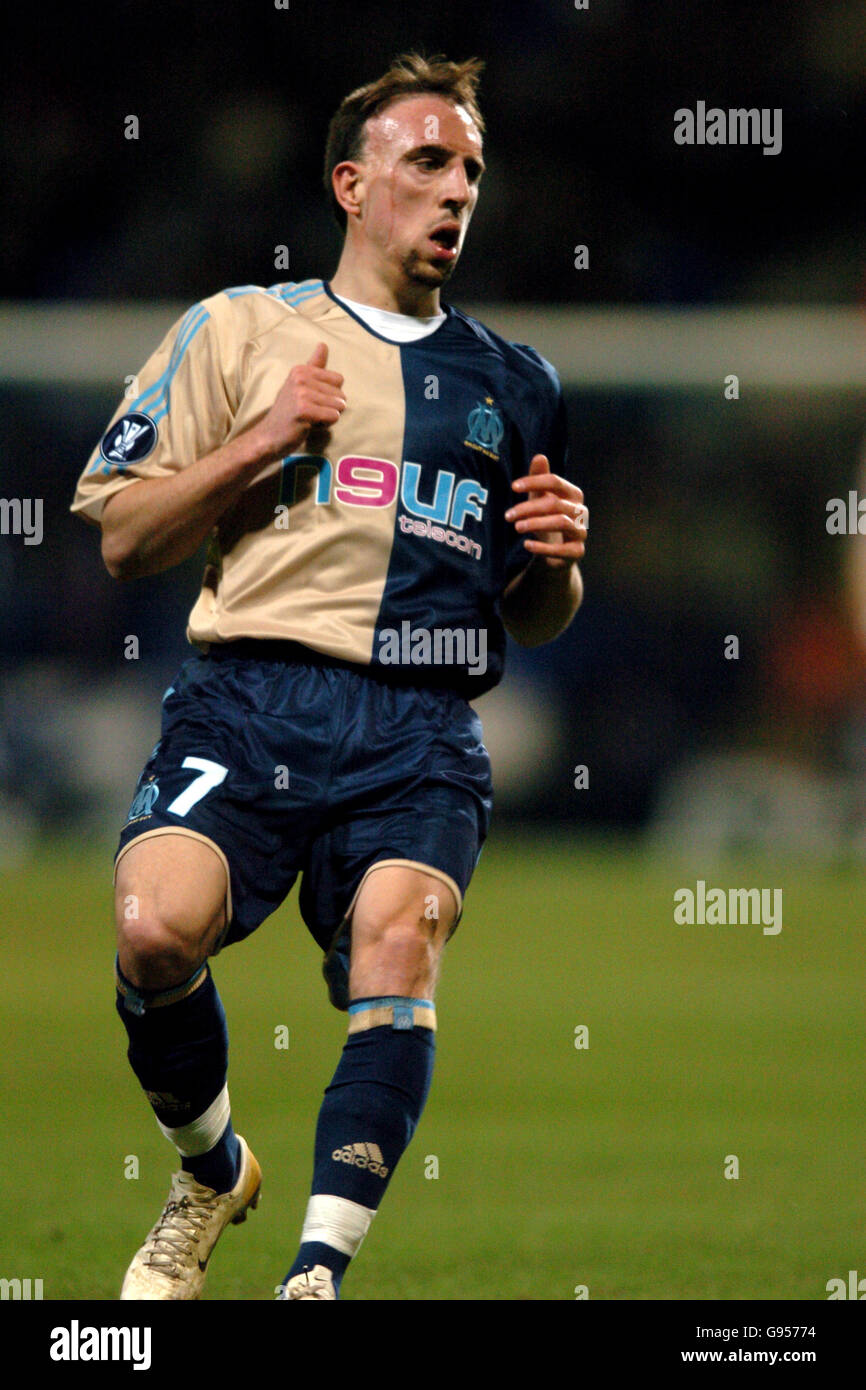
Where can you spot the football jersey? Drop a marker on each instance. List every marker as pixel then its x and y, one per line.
pixel 382 541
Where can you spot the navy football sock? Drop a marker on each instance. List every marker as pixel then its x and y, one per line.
pixel 368 1116
pixel 220 1166
pixel 178 1049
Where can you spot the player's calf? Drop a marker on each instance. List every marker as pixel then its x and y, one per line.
pixel 372 1107
pixel 368 1117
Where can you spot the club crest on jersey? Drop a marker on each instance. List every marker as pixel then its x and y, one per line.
pixel 128 440
pixel 486 428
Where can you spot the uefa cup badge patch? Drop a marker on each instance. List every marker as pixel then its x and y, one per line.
pixel 128 441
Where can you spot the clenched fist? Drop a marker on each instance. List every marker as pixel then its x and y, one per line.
pixel 310 395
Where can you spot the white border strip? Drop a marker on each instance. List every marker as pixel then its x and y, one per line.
pixel 99 344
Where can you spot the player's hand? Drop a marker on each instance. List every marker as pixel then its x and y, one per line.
pixel 554 510
pixel 310 396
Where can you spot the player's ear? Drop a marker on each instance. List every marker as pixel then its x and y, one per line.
pixel 347 181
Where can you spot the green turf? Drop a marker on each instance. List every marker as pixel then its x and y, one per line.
pixel 558 1167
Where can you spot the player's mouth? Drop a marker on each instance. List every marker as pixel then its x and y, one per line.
pixel 445 240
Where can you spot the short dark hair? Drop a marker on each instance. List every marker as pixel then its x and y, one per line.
pixel 410 74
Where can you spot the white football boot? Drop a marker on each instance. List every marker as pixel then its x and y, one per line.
pixel 310 1283
pixel 172 1263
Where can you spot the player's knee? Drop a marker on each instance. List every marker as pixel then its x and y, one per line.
pixel 405 945
pixel 154 953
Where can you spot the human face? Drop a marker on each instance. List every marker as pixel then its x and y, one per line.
pixel 419 173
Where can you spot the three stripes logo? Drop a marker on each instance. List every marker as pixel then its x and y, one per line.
pixel 362 1156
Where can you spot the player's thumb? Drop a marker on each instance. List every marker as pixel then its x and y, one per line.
pixel 539 464
pixel 319 356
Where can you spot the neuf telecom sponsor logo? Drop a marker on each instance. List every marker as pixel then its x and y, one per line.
pixel 367 1156
pixel 77 1343
pixel 465 647
pixel 703 906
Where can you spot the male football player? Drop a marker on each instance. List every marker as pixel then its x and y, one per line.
pixel 381 479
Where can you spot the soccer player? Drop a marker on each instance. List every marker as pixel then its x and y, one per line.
pixel 382 482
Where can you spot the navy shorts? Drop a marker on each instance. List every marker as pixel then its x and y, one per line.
pixel 315 767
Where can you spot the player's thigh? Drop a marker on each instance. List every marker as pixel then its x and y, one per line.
pixel 401 920
pixel 170 907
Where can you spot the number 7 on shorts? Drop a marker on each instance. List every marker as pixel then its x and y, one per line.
pixel 211 775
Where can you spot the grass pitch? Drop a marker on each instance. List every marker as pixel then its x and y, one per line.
pixel 558 1166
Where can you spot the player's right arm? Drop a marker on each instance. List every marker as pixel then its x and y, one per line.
pixel 160 522
pixel 180 450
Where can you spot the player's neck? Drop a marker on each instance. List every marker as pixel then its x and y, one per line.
pixel 366 285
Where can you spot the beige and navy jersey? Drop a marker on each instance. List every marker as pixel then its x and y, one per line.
pixel 382 542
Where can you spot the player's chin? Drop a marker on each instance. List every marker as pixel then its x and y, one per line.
pixel 431 271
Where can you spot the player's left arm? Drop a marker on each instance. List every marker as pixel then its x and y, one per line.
pixel 541 600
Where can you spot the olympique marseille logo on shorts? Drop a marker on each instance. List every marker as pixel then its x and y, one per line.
pixel 129 440
pixel 144 801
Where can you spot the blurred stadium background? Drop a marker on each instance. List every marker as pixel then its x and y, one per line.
pixel 708 521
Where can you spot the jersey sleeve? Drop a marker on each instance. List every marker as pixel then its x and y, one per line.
pixel 182 409
pixel 545 431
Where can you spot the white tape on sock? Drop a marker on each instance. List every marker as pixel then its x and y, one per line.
pixel 200 1136
pixel 337 1222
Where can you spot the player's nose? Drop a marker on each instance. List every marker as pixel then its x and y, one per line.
pixel 456 187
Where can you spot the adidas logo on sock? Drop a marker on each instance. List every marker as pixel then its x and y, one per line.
pixel 362 1156
pixel 164 1100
